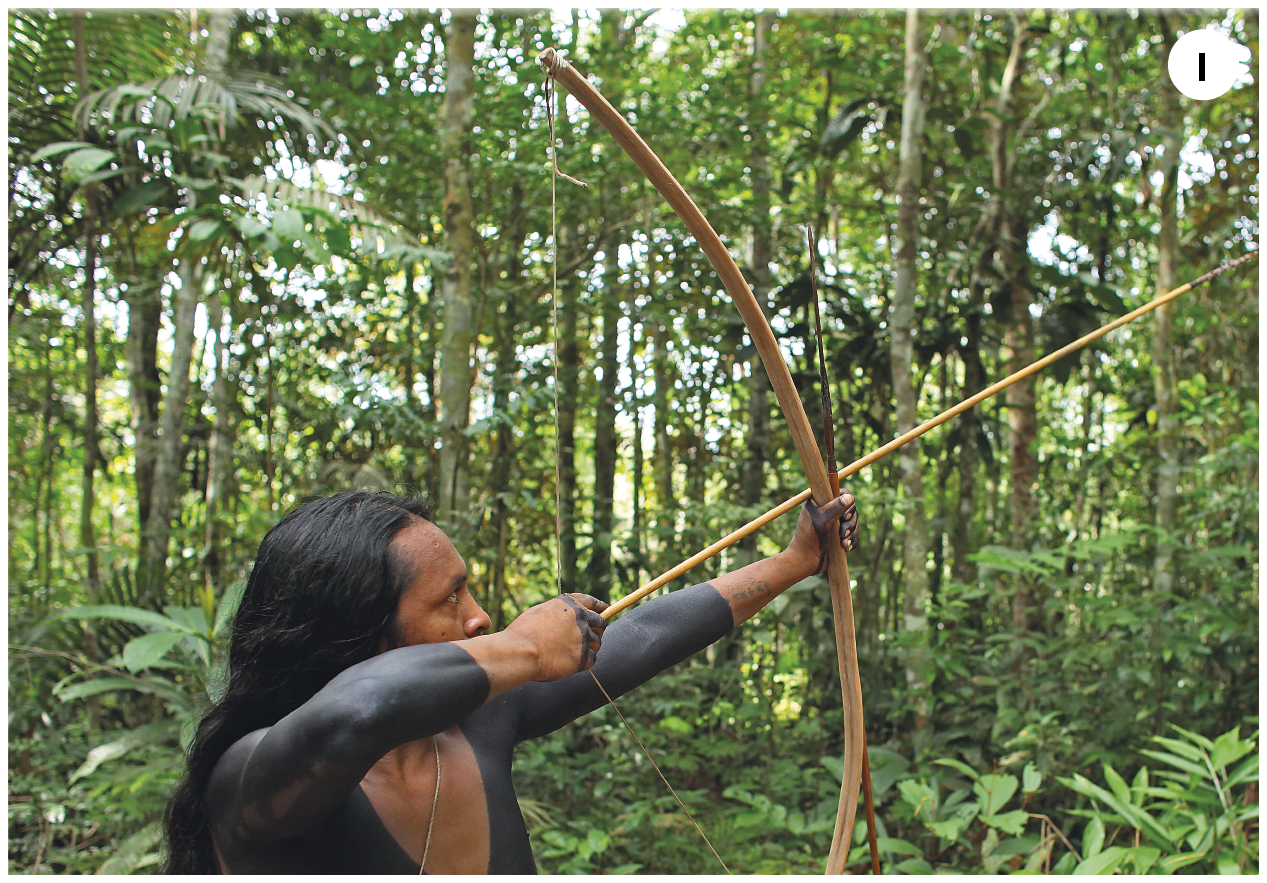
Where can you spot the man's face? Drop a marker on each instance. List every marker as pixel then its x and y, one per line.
pixel 436 605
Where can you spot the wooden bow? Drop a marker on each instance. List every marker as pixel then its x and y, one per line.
pixel 789 400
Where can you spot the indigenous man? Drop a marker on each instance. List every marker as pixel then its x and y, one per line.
pixel 367 723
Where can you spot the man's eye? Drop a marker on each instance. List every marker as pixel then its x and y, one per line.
pixel 454 597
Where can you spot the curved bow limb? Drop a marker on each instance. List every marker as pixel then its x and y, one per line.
pixel 789 400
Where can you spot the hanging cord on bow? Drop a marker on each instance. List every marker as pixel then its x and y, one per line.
pixel 551 106
pixel 555 173
pixel 833 476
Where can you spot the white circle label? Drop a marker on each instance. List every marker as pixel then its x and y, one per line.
pixel 1204 64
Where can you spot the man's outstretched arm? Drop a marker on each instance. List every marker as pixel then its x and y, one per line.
pixel 667 629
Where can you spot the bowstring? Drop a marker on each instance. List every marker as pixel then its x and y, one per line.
pixel 555 173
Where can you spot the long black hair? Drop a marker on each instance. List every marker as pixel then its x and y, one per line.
pixel 321 597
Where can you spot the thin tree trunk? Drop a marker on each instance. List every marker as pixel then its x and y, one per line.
pixel 635 529
pixel 87 536
pixel 902 313
pixel 598 577
pixel 569 370
pixel 1019 330
pixel 164 496
pixel 666 513
pixel 145 312
pixel 459 228
pixel 220 449
pixel 1164 378
pixel 758 438
pixel 965 571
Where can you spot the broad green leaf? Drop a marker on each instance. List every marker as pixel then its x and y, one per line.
pixel 289 225
pixel 148 734
pixel 1016 846
pixel 1121 790
pixel 959 765
pixel 138 199
pixel 84 161
pixel 1197 769
pixel 834 765
pixel 1103 863
pixel 1031 778
pixel 1183 749
pixel 142 652
pixel 1144 857
pixel 1195 737
pixel 1230 748
pixel 897 846
pixel 1136 817
pixel 51 150
pixel 995 791
pixel 83 689
pixel 227 608
pixel 1228 866
pixel 1011 822
pixel 249 227
pixel 949 828
pixel 138 615
pixel 1172 863
pixel 204 229
pixel 1092 838
pixel 922 798
pixel 1140 786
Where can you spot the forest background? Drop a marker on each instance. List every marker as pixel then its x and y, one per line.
pixel 257 256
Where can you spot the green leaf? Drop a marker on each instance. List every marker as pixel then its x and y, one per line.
pixel 228 606
pixel 1197 769
pixel 51 150
pixel 897 846
pixel 1229 748
pixel 995 791
pixel 1012 822
pixel 249 227
pixel 289 225
pixel 83 689
pixel 138 615
pixel 959 765
pixel 1104 863
pixel 138 199
pixel 1092 838
pixel 142 652
pixel 82 162
pixel 1121 790
pixel 922 798
pixel 149 734
pixel 204 229
pixel 675 724
pixel 949 828
pixel 1172 863
pixel 1016 846
pixel 1031 778
pixel 834 765
pixel 1144 857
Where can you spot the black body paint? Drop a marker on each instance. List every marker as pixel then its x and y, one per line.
pixel 288 800
pixel 591 626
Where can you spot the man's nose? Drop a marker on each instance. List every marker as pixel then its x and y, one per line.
pixel 477 622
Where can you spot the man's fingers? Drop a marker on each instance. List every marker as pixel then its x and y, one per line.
pixel 589 602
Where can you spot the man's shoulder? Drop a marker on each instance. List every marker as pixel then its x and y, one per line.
pixel 226 776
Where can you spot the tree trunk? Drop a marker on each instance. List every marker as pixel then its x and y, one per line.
pixel 164 496
pixel 459 229
pixel 758 439
pixel 666 513
pixel 87 536
pixel 598 576
pixel 568 356
pixel 1018 336
pixel 145 312
pixel 961 543
pixel 902 312
pixel 1164 379
pixel 220 449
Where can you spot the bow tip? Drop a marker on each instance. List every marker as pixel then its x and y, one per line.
pixel 550 61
